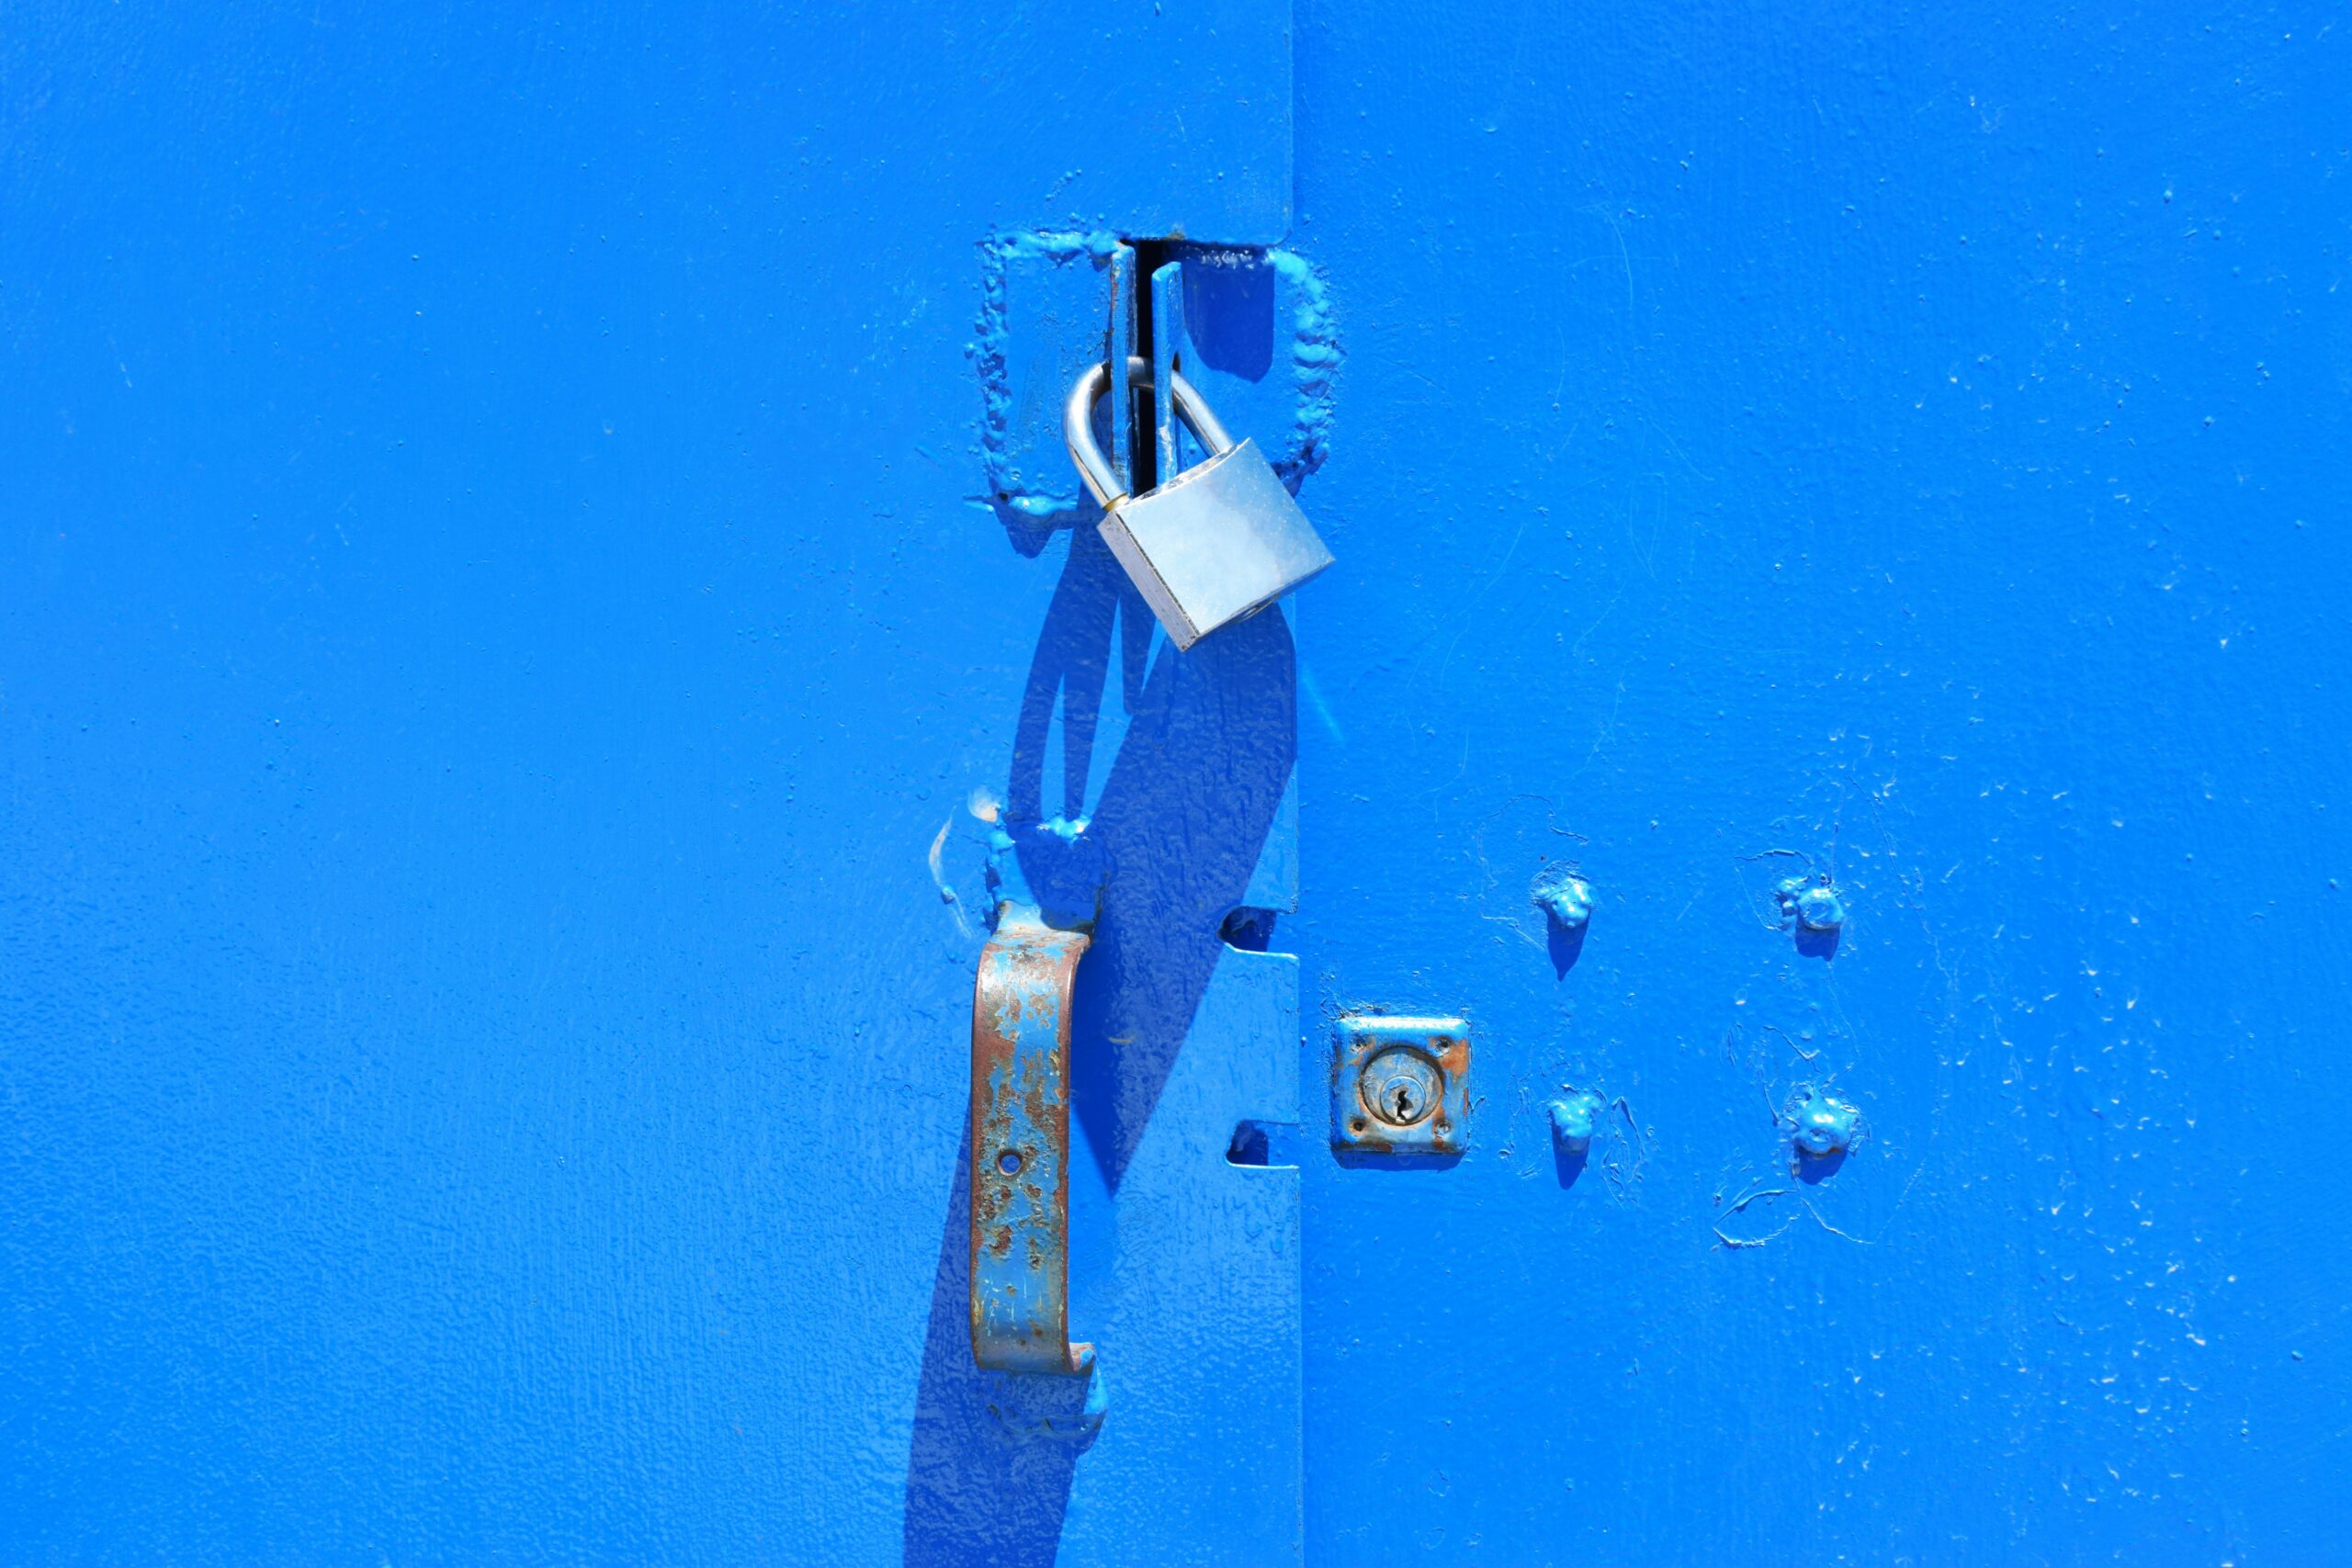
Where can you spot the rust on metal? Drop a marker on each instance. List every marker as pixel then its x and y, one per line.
pixel 1401 1086
pixel 1020 1006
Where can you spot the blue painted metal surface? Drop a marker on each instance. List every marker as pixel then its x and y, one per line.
pixel 1911 442
pixel 525 542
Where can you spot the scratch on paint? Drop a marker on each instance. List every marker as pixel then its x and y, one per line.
pixel 1738 1241
pixel 1762 1194
pixel 948 893
pixel 1615 1168
pixel 1467 610
pixel 1322 709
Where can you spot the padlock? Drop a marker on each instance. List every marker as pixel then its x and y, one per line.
pixel 1217 542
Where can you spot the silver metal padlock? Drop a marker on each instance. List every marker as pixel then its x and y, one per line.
pixel 1217 542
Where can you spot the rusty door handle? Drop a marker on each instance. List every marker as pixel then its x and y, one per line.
pixel 1021 1149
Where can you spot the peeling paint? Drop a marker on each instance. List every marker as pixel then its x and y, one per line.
pixel 1430 1059
pixel 1629 1151
pixel 1020 1140
pixel 1020 424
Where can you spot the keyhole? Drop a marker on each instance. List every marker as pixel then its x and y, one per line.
pixel 1400 1086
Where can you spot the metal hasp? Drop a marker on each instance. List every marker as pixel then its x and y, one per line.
pixel 1216 543
pixel 1021 1149
pixel 1401 1086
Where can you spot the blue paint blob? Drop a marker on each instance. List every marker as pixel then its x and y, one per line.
pixel 1573 1121
pixel 1815 903
pixel 1315 360
pixel 1050 868
pixel 1824 1125
pixel 1564 896
pixel 1820 909
pixel 1567 900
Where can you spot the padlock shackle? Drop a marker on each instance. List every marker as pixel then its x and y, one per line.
pixel 1078 424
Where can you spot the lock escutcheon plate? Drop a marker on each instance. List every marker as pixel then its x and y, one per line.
pixel 1400 1086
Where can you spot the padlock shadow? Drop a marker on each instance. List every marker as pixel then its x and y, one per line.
pixel 1070 667
pixel 1183 818
pixel 1183 815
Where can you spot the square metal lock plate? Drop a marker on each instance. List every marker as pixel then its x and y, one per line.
pixel 1401 1086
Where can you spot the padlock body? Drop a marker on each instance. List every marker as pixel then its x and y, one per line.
pixel 1219 542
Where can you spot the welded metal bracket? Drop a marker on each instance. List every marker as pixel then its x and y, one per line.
pixel 1052 305
pixel 1020 1007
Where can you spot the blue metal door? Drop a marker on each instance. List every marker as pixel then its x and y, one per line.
pixel 549 627
pixel 1860 492
pixel 507 648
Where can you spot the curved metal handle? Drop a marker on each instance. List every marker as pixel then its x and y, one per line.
pixel 1020 1149
pixel 1078 424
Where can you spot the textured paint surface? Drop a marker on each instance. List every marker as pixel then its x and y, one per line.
pixel 1913 440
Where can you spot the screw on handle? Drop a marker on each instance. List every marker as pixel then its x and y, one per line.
pixel 1078 424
